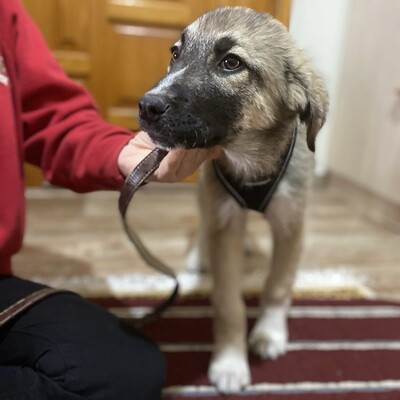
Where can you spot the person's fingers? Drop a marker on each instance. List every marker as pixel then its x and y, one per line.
pixel 214 153
pixel 176 166
pixel 170 169
pixel 164 171
pixel 134 152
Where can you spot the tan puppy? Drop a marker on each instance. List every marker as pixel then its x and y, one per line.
pixel 236 79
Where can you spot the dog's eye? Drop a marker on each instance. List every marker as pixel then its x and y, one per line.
pixel 231 63
pixel 174 54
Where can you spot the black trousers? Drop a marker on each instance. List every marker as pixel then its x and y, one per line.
pixel 65 347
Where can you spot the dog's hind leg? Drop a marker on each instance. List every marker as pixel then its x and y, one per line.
pixel 269 336
pixel 197 259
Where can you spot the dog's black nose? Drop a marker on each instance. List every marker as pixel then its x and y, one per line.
pixel 151 107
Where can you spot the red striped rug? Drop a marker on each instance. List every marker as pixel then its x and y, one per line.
pixel 346 350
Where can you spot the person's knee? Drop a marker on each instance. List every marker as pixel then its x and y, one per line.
pixel 140 373
pixel 89 353
pixel 127 369
pixel 118 365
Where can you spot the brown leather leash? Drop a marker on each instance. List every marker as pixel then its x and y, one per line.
pixel 26 302
pixel 132 183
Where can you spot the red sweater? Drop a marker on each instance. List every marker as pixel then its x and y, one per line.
pixel 48 120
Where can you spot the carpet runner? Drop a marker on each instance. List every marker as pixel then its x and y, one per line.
pixel 347 350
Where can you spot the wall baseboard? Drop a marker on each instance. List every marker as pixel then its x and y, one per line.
pixel 369 203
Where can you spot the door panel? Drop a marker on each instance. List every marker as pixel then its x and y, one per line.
pixel 150 12
pixel 67 27
pixel 134 71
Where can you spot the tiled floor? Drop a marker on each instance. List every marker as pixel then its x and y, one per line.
pixel 70 236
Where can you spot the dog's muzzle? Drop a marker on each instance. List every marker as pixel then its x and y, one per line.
pixel 174 120
pixel 168 123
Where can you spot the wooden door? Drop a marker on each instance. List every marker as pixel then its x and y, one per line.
pixel 67 26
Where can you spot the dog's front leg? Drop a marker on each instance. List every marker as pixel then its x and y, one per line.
pixel 229 369
pixel 269 336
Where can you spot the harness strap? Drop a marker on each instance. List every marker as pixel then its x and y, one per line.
pixel 256 195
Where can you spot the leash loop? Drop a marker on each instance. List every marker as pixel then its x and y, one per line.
pixel 132 183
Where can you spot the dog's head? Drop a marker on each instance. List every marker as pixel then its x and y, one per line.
pixel 234 70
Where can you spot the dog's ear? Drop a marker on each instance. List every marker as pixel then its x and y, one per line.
pixel 307 94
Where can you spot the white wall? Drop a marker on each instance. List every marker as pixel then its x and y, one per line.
pixel 318 27
pixel 356 46
pixel 365 145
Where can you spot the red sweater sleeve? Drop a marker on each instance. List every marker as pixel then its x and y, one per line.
pixel 63 131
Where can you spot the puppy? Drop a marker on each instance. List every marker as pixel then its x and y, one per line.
pixel 237 80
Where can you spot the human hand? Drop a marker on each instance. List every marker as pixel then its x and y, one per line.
pixel 176 166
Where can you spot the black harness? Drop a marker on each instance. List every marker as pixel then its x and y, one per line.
pixel 257 195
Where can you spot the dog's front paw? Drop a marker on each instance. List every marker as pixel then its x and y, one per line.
pixel 229 371
pixel 268 345
pixel 269 337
